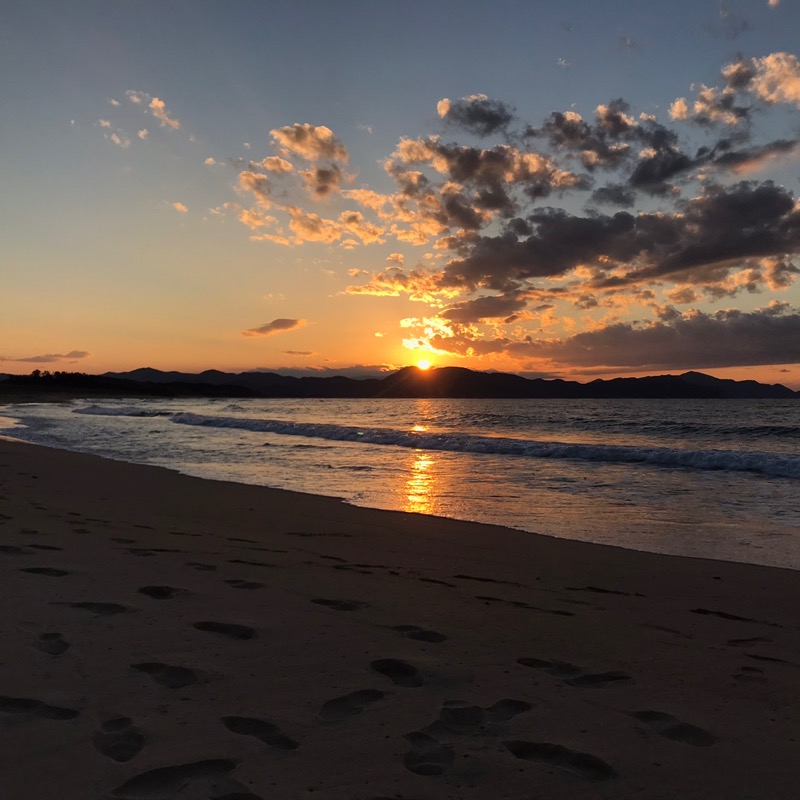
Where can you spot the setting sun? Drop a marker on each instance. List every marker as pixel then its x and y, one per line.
pixel 424 364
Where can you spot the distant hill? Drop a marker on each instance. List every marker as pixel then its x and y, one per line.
pixel 452 382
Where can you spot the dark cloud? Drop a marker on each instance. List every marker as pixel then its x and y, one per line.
pixel 560 242
pixel 728 338
pixel 653 173
pixel 614 194
pixel 276 326
pixel 461 213
pixel 323 181
pixel 592 144
pixel 739 73
pixel 754 157
pixel 703 240
pixel 490 307
pixel 50 358
pixel 477 114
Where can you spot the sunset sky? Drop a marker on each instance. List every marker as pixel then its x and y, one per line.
pixel 559 189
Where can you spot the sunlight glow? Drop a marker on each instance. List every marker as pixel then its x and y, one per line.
pixel 424 363
pixel 419 486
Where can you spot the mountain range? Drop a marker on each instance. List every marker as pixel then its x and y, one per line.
pixel 455 382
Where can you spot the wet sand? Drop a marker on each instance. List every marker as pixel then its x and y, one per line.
pixel 172 637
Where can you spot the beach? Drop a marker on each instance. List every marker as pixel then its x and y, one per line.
pixel 170 636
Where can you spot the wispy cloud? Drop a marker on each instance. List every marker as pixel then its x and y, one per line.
pixel 276 326
pixel 49 358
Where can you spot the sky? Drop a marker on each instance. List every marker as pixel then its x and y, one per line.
pixel 559 189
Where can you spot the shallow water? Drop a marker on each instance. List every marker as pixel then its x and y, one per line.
pixel 708 478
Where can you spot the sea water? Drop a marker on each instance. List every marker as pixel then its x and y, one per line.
pixel 709 478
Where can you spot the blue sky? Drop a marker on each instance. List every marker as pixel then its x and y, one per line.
pixel 186 186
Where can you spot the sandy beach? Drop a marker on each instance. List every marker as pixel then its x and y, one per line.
pixel 171 637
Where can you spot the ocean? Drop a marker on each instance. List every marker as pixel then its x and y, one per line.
pixel 707 478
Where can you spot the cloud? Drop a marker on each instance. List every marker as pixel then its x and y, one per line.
pixel 49 358
pixel 159 110
pixel 156 106
pixel 299 353
pixel 323 181
pixel 614 194
pixel 487 307
pixel 776 78
pixel 258 185
pixel 476 113
pixel 276 164
pixel 755 158
pixel 279 325
pixel 310 227
pixel 507 255
pixel 180 207
pixel 712 231
pixel 728 338
pixel 312 142
pixel 120 139
pixel 209 162
pixel 143 133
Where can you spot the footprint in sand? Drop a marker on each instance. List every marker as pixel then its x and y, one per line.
pixel 671 728
pixel 201 567
pixel 749 642
pixel 45 547
pixel 342 708
pixel 239 583
pixel 583 765
pixel 575 676
pixel 101 609
pixel 251 563
pixel 51 572
pixel 428 756
pixel 399 672
pixel 54 644
pixel 239 796
pixel 167 675
pixel 265 731
pixel 488 599
pixel 340 605
pixel 118 739
pixel 457 718
pixel 419 634
pixel 161 592
pixel 13 550
pixel 168 781
pixel 34 708
pixel 229 629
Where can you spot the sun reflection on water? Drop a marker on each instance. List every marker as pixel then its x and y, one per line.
pixel 420 484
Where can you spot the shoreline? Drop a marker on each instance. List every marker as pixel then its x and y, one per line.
pixel 370 653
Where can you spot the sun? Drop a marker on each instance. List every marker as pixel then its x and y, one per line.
pixel 423 363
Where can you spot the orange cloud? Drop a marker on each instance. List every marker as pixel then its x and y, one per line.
pixel 159 110
pixel 312 142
